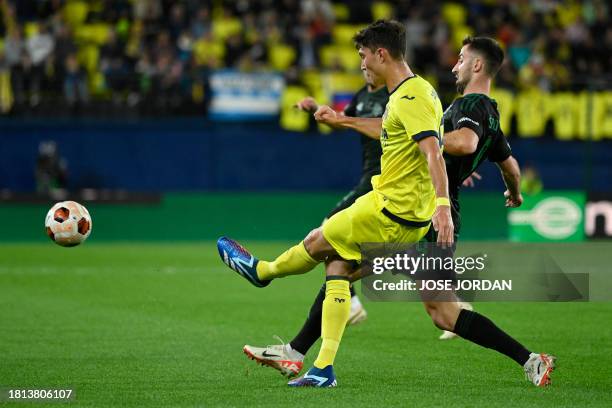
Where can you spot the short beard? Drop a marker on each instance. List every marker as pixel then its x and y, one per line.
pixel 461 86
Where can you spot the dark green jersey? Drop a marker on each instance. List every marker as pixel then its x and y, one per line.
pixel 479 113
pixel 367 104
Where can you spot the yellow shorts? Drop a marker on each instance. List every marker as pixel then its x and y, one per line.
pixel 364 222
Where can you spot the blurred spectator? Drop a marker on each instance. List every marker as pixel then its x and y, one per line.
pixel 114 64
pixel 201 24
pixel 75 83
pixel 40 45
pixel 531 183
pixel 234 48
pixel 51 169
pixel 64 46
pixel 14 46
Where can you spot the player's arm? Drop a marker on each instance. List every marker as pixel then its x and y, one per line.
pixel 460 142
pixel 369 127
pixel 511 174
pixel 442 220
pixel 467 130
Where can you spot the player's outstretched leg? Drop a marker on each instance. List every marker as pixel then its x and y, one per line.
pixel 240 260
pixel 288 358
pixel 298 259
pixel 335 314
pixel 479 329
pixel 311 329
pixel 449 335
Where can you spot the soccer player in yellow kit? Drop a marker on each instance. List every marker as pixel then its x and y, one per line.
pixel 410 193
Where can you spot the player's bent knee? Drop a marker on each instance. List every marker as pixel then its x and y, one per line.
pixel 317 246
pixel 338 267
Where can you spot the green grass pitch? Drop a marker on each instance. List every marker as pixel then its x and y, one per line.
pixel 163 325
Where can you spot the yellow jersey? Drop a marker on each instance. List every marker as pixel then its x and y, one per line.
pixel 404 187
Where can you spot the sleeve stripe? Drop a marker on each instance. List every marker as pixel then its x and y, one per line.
pixel 422 135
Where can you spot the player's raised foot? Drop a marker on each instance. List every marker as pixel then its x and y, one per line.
pixel 240 260
pixel 449 335
pixel 281 357
pixel 358 314
pixel 316 377
pixel 538 368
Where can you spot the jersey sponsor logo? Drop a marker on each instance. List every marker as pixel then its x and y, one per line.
pixel 408 97
pixel 466 119
pixel 377 110
pixel 339 300
pixel 369 109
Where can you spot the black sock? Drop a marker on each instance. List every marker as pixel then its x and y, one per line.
pixel 478 329
pixel 311 330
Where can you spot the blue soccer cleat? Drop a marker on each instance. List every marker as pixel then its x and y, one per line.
pixel 316 377
pixel 240 260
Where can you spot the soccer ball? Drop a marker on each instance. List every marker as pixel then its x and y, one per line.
pixel 68 223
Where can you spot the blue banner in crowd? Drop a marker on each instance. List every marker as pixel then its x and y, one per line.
pixel 238 95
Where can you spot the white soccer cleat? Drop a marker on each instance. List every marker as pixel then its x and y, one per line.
pixel 358 314
pixel 538 369
pixel 281 357
pixel 448 335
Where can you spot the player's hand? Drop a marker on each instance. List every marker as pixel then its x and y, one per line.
pixel 512 200
pixel 471 180
pixel 443 225
pixel 326 115
pixel 307 104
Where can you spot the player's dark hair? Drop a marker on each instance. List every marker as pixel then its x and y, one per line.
pixel 387 34
pixel 489 49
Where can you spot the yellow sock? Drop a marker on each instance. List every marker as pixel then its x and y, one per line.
pixel 294 261
pixel 336 310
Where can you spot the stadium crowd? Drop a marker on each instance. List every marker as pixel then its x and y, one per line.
pixel 145 57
